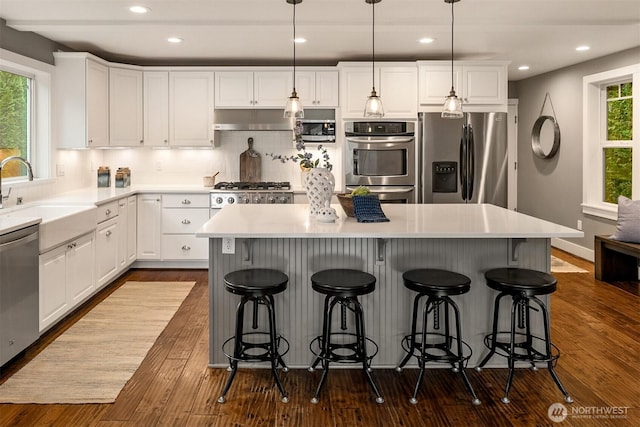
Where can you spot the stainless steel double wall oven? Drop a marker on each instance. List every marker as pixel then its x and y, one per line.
pixel 382 156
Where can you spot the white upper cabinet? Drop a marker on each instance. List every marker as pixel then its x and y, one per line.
pixel 481 85
pixel 82 101
pixel 485 84
pixel 272 88
pixel 399 90
pixel 395 83
pixel 234 89
pixel 191 108
pixel 156 108
pixel 252 89
pixel 125 107
pixel 318 88
pixel 435 82
pixel 97 104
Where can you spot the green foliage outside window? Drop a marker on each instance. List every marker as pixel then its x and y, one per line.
pixel 617 175
pixel 14 119
pixel 618 161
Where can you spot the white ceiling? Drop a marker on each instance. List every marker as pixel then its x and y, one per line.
pixel 540 33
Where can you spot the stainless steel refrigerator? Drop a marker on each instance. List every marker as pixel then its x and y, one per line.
pixel 463 160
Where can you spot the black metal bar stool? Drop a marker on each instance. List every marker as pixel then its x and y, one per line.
pixel 342 287
pixel 256 285
pixel 431 345
pixel 523 286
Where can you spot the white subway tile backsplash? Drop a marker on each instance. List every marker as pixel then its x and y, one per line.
pixel 174 166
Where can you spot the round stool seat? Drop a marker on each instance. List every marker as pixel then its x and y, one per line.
pixel 520 280
pixel 343 282
pixel 436 282
pixel 256 282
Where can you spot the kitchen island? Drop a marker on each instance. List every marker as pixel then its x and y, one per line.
pixel 465 238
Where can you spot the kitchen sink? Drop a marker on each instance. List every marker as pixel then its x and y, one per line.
pixel 60 223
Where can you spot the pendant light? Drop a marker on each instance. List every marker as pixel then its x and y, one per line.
pixel 373 107
pixel 452 104
pixel 293 107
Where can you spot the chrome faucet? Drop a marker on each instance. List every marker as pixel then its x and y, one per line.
pixel 4 162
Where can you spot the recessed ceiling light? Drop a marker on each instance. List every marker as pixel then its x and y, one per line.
pixel 523 67
pixel 426 40
pixel 139 9
pixel 299 40
pixel 174 40
pixel 583 48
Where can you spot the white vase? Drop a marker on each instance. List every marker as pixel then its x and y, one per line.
pixel 319 183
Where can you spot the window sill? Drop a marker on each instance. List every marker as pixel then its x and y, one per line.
pixel 601 210
pixel 25 183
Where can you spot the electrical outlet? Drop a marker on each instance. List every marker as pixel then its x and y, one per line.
pixel 228 245
pixel 60 169
pixel 579 224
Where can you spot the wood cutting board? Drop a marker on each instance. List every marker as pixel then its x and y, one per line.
pixel 250 168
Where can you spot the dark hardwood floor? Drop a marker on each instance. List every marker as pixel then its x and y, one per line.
pixel 595 325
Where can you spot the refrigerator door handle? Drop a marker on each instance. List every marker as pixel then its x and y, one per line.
pixel 463 164
pixel 471 170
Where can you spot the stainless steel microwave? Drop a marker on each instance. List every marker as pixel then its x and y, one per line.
pixel 318 131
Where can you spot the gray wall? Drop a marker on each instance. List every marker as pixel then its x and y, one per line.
pixel 551 189
pixel 28 44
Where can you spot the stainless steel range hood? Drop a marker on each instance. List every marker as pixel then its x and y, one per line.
pixel 253 119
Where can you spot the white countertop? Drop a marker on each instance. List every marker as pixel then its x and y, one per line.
pixel 17 217
pixel 406 221
pixel 8 225
pixel 101 196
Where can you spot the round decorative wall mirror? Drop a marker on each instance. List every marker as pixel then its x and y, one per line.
pixel 545 137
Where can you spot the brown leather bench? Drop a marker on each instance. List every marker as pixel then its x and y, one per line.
pixel 616 260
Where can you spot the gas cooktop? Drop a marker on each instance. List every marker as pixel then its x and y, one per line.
pixel 229 193
pixel 250 186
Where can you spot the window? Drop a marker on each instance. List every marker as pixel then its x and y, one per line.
pixel 619 132
pixel 15 126
pixel 25 116
pixel 611 150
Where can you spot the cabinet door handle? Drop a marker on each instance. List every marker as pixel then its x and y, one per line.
pixel 186 221
pixel 108 233
pixel 107 212
pixel 186 202
pixel 186 248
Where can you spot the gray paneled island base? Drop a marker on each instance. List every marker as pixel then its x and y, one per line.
pixel 468 239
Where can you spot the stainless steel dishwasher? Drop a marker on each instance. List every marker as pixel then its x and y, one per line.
pixel 18 291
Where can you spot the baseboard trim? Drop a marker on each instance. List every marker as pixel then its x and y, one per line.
pixel 572 248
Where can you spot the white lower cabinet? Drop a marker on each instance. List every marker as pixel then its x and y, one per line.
pixel 127 217
pixel 182 216
pixel 66 278
pixel 107 245
pixel 148 226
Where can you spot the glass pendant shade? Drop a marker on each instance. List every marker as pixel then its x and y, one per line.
pixel 293 108
pixel 452 107
pixel 452 104
pixel 373 107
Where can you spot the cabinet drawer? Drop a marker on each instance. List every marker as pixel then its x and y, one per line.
pixel 107 211
pixel 184 247
pixel 183 221
pixel 185 200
